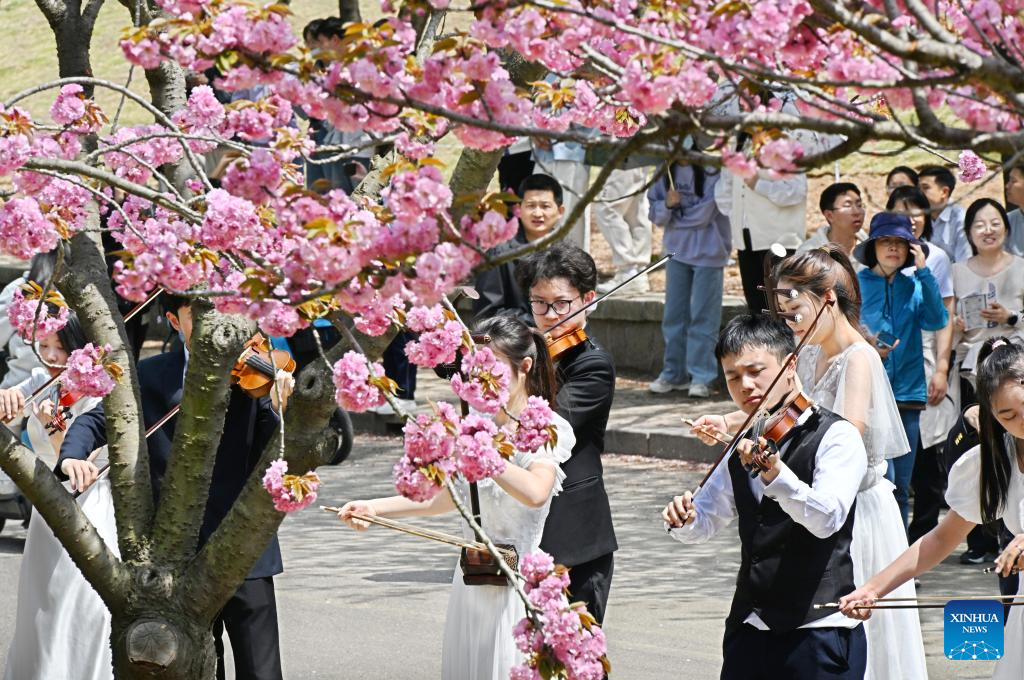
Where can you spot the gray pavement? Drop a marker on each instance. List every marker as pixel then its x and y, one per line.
pixel 372 605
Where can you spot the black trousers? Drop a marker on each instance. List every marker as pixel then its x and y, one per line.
pixel 250 617
pixel 802 654
pixel 929 484
pixel 591 582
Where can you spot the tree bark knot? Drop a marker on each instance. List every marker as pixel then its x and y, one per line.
pixel 152 644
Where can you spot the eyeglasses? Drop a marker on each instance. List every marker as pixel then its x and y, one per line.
pixel 540 308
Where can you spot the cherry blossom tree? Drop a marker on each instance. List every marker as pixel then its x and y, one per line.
pixel 775 86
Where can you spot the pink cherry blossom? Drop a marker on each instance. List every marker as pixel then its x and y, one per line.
pixel 972 168
pixel 484 380
pixel 24 230
pixel 23 312
pixel 354 390
pixel 89 372
pixel 477 457
pixel 412 483
pixel 290 493
pixel 535 425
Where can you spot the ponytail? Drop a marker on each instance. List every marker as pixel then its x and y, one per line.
pixel 541 380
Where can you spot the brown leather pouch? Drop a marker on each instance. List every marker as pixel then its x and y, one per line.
pixel 480 569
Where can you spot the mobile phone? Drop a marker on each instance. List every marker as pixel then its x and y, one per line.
pixel 885 340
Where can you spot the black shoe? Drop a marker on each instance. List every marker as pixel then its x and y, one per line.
pixel 973 557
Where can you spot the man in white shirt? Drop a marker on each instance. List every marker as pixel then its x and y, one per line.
pixel 795 521
pixel 937 184
pixel 843 209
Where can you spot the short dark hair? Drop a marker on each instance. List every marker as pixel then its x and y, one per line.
pixel 755 330
pixel 942 176
pixel 972 212
pixel 541 182
pixel 834 191
pixel 902 170
pixel 560 261
pixel 915 197
pixel 327 27
pixel 173 303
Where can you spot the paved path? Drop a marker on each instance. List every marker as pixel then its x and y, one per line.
pixel 372 605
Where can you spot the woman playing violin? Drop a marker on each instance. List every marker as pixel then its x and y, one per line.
pixel 796 520
pixel 560 281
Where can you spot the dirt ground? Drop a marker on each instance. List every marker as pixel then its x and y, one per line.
pixel 872 186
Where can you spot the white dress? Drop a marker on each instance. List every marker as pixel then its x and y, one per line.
pixel 62 627
pixel 895 646
pixel 478 642
pixel 964 496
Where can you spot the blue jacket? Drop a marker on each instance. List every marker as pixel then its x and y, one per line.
pixel 904 306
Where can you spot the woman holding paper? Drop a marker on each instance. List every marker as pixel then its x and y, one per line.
pixel 989 288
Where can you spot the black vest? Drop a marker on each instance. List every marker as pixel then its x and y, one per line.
pixel 785 569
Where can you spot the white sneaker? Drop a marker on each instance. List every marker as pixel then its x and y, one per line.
pixel 619 277
pixel 660 386
pixel 699 391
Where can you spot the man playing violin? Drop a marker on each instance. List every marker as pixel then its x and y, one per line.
pixel 250 616
pixel 795 517
pixel 579 534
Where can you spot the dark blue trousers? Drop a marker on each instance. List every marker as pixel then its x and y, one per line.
pixel 803 654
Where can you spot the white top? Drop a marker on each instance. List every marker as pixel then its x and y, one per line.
pixel 1006 288
pixel 505 519
pixel 821 507
pixel 1015 241
pixel 964 491
pixel 774 211
pixel 854 384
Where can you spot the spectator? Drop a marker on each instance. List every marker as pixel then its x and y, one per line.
pixel 900 176
pixel 843 209
pixel 989 288
pixel 621 214
pixel 700 238
pixel 895 308
pixel 938 183
pixel 928 480
pixel 1015 196
pixel 539 212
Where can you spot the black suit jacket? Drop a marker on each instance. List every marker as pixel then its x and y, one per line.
pixel 498 290
pixel 579 526
pixel 248 426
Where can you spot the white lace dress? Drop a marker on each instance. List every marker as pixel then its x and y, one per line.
pixel 964 496
pixel 478 641
pixel 854 384
pixel 62 627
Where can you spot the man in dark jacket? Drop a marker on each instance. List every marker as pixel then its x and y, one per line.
pixel 579 532
pixel 250 616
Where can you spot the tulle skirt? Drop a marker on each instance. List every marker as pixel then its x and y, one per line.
pixel 478 642
pixel 1009 667
pixel 895 646
pixel 62 627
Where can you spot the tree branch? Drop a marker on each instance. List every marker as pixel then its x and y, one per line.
pixel 215 344
pixel 86 286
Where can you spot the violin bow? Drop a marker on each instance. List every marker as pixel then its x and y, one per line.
pixel 790 361
pixel 127 317
pixel 152 428
pixel 926 602
pixel 649 268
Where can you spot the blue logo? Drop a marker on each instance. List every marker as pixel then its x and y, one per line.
pixel 973 630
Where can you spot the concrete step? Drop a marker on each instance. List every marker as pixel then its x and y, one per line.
pixel 641 423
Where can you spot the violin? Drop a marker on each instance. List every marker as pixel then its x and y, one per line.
pixel 254 371
pixel 773 429
pixel 562 344
pixel 62 412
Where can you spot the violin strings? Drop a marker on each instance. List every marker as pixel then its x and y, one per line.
pixel 260 365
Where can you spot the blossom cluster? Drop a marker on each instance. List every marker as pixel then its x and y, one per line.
pixel 358 383
pixel 90 372
pixel 35 315
pixel 290 493
pixel 483 381
pixel 568 643
pixel 972 168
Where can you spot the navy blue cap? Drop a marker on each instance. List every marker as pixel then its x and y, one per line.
pixel 887 225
